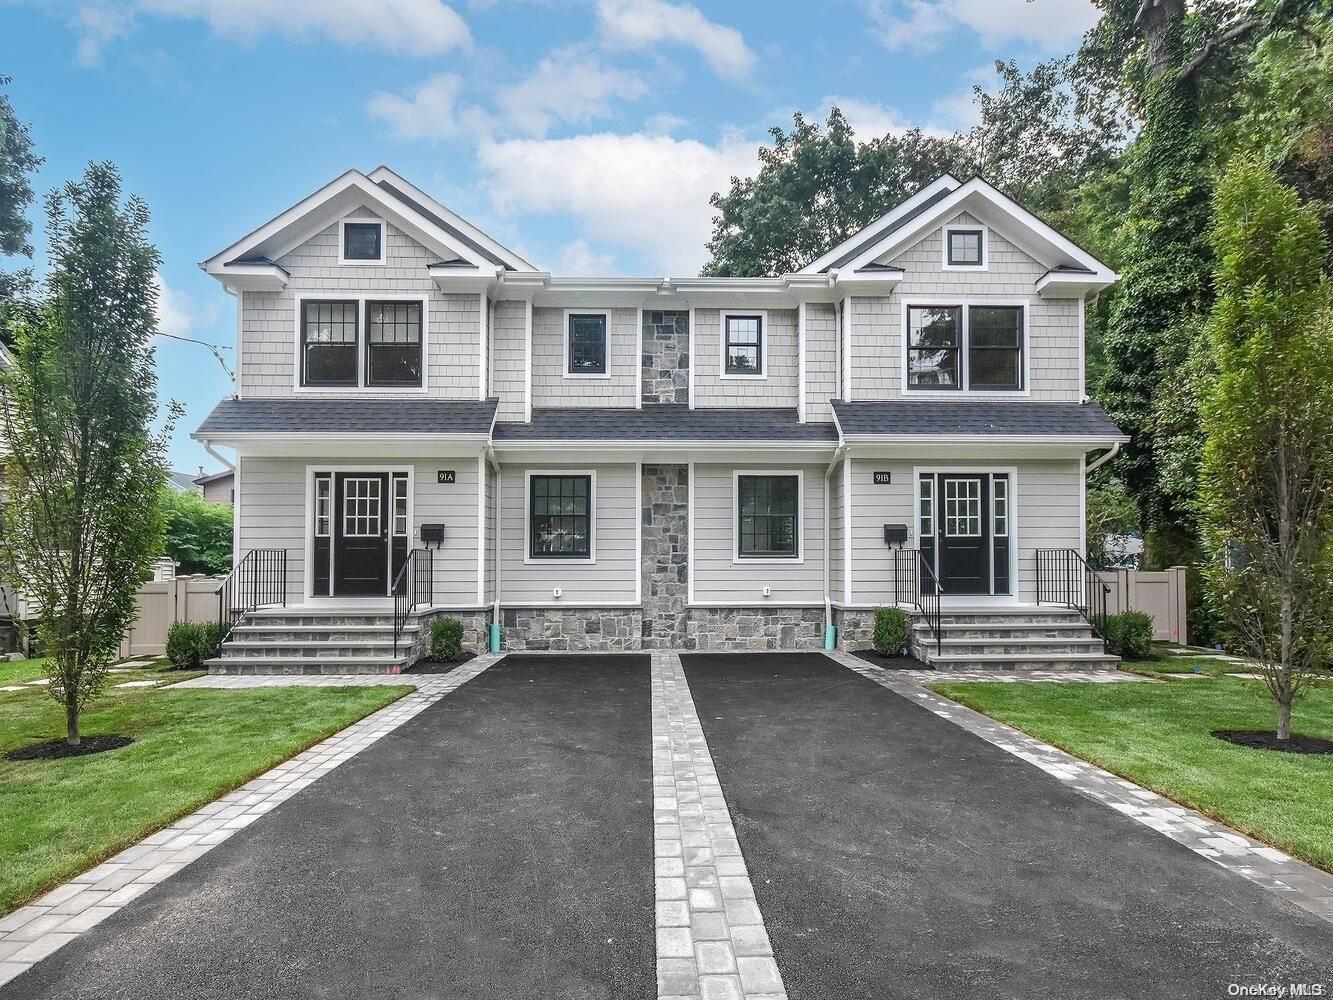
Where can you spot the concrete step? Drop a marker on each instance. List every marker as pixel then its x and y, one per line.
pixel 307 665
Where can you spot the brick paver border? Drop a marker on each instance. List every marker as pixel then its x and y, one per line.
pixel 1304 885
pixel 711 941
pixel 33 932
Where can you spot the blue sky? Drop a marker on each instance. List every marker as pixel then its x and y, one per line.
pixel 586 135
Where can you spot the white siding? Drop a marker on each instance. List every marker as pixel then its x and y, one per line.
pixel 720 579
pixel 612 579
pixel 268 346
pixel 508 356
pixel 779 386
pixel 821 361
pixel 837 536
pixel 550 387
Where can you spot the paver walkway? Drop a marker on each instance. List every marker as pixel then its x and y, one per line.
pixel 893 853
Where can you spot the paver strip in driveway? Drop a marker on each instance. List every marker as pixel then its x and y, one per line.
pixel 497 845
pixel 894 854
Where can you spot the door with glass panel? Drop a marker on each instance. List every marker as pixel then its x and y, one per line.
pixel 965 531
pixel 361 548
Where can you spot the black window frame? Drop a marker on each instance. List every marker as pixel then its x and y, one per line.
pixel 744 552
pixel 305 346
pixel 958 349
pixel 758 345
pixel 369 381
pixel 585 553
pixel 979 233
pixel 1019 349
pixel 348 225
pixel 605 368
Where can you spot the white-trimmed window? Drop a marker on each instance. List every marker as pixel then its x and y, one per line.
pixel 966 247
pixel 1000 505
pixel 927 487
pixel 361 343
pixel 361 241
pixel 400 505
pixel 561 516
pixel 768 515
pixel 587 345
pixel 965 347
pixel 743 344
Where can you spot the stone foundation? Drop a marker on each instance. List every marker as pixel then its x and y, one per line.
pixel 602 630
pixel 666 357
pixel 475 624
pixel 754 628
pixel 856 629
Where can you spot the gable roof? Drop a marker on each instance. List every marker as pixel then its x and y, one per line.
pixel 250 261
pixel 1071 269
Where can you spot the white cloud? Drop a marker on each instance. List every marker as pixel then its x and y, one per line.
pixel 578 258
pixel 960 110
pixel 664 123
pixel 567 86
pixel 179 314
pixel 643 193
pixel 642 24
pixel 921 25
pixel 412 27
pixel 429 112
pixel 871 120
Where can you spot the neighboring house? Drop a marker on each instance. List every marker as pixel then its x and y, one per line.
pixel 627 463
pixel 218 487
pixel 183 482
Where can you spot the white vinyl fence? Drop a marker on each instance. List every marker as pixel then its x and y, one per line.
pixel 161 602
pixel 1160 594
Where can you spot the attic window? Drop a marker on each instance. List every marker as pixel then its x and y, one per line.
pixel 363 242
pixel 965 247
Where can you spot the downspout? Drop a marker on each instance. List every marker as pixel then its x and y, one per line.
pixel 493 633
pixel 830 635
pixel 1115 450
pixel 208 447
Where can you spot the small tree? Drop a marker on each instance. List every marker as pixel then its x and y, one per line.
pixel 1267 485
pixel 81 515
pixel 197 534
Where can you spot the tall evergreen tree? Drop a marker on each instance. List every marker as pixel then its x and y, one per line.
pixel 17 163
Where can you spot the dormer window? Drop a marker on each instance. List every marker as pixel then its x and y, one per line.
pixel 586 345
pixel 743 345
pixel 965 247
pixel 362 242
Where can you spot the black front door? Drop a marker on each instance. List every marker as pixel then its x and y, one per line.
pixel 361 535
pixel 963 534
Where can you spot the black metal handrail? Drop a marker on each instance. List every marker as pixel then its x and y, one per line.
pixel 1064 577
pixel 910 570
pixel 413 586
pixel 259 580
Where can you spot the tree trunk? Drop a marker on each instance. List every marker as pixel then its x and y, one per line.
pixel 1284 714
pixel 72 719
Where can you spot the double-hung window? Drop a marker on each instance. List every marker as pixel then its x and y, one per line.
pixel 363 243
pixel 768 516
pixel 586 344
pixel 560 516
pixel 356 343
pixel 954 347
pixel 743 344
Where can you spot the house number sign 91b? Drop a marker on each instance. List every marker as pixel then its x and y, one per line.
pixel 883 478
pixel 445 476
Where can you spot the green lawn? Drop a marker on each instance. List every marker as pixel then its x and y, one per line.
pixel 62 817
pixel 1157 735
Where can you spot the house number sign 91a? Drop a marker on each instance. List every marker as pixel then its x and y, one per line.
pixel 883 478
pixel 445 476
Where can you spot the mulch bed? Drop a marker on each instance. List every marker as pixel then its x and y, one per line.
pixel 889 662
pixel 1268 741
pixel 57 749
pixel 430 665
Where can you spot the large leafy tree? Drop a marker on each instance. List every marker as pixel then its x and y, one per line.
pixel 197 534
pixel 17 163
pixel 1267 483
pixel 82 522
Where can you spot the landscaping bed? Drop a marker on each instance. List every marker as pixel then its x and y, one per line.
pixel 62 816
pixel 1160 736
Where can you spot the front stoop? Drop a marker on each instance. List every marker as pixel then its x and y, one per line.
pixel 1010 639
pixel 280 641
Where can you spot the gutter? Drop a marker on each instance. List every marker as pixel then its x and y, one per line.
pixel 208 447
pixel 1098 463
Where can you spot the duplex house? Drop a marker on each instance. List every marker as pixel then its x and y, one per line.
pixel 425 423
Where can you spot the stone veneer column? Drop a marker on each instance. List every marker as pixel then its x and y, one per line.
pixel 664 522
pixel 666 357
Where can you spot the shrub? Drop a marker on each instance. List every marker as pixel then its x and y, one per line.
pixel 1128 634
pixel 189 644
pixel 891 627
pixel 446 638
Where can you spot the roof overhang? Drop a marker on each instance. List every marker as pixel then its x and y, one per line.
pixel 665 451
pixel 347 445
pixel 1073 284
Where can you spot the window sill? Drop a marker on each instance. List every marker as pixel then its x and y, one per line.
pixel 363 390
pixel 768 560
pixel 969 393
pixel 539 561
pixel 763 376
pixel 605 375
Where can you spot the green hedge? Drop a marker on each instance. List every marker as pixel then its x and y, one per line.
pixel 1128 634
pixel 446 638
pixel 891 628
pixel 189 644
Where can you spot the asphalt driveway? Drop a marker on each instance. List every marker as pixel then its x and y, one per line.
pixel 894 854
pixel 498 845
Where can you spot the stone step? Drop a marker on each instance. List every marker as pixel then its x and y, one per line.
pixel 318 633
pixel 311 650
pixel 307 665
pixel 1029 661
pixel 321 619
pixel 1010 616
pixel 1016 646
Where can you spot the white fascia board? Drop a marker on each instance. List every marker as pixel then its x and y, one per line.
pixel 671 452
pixel 467 280
pixel 252 277
pixel 383 173
pixel 1084 440
pixel 1074 284
pixel 945 182
pixel 865 283
pixel 982 195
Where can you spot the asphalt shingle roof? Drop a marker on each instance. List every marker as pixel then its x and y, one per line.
pixel 344 416
pixel 665 422
pixel 980 417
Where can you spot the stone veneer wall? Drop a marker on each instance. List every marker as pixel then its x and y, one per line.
pixel 856 629
pixel 475 639
pixel 665 524
pixel 666 357
pixel 602 630
pixel 755 628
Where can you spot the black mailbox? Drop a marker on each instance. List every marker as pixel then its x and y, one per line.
pixel 895 534
pixel 432 534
